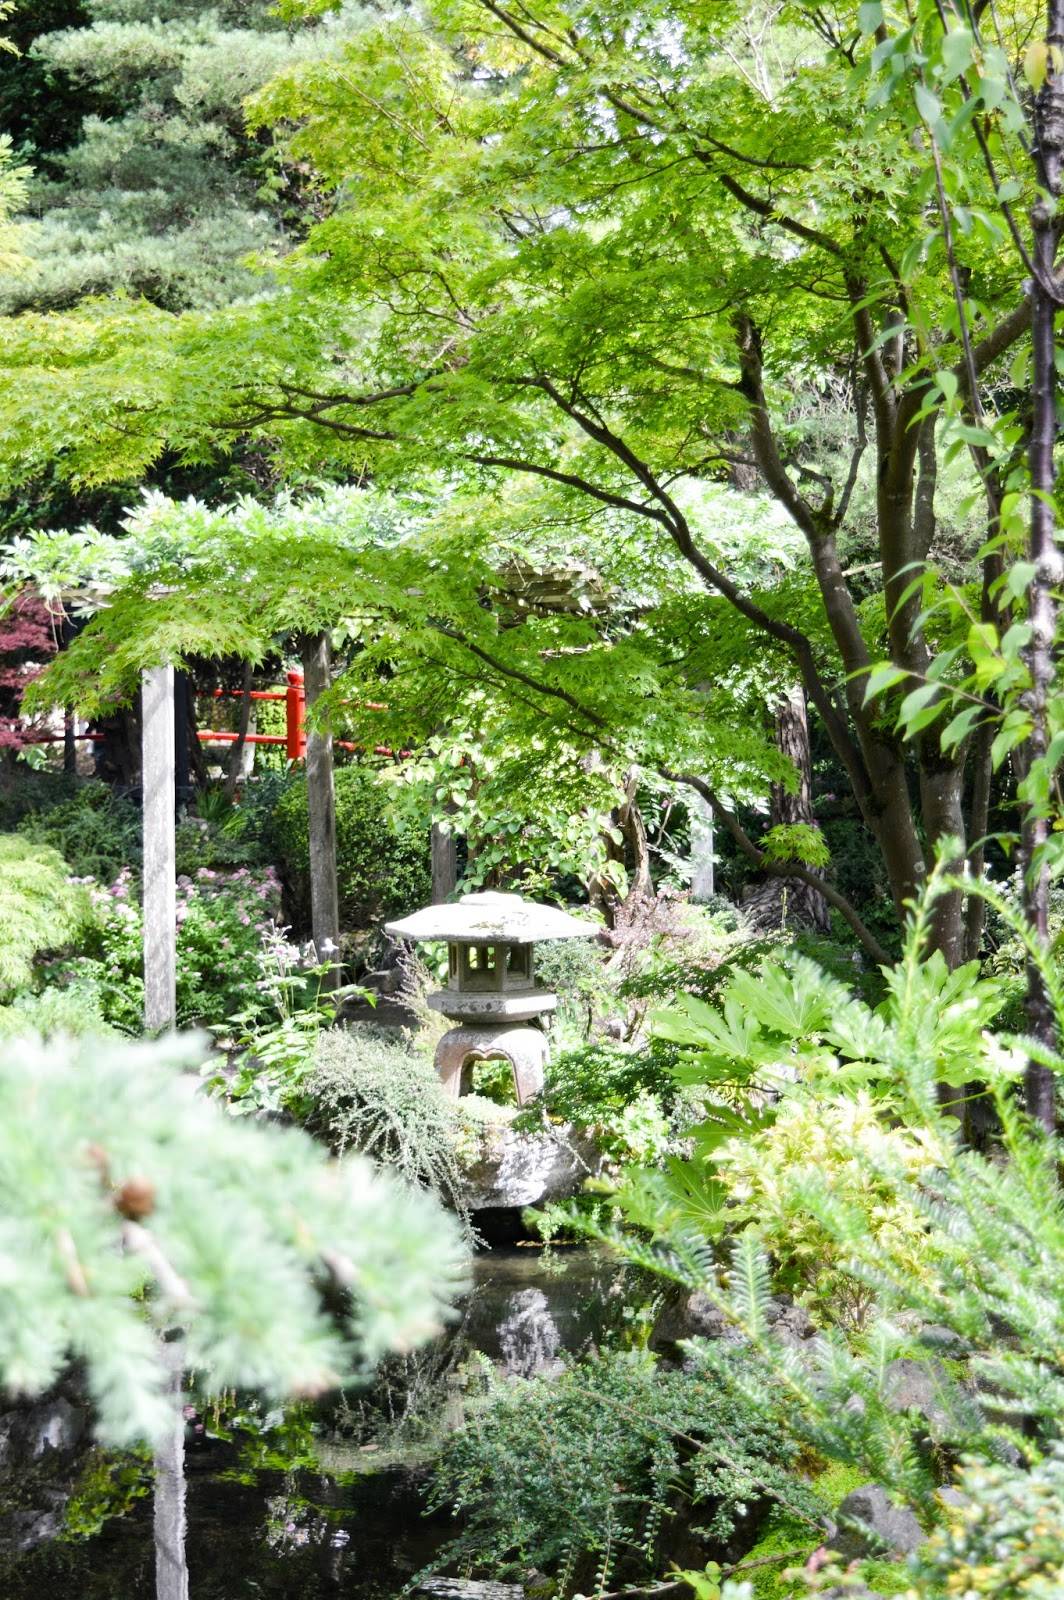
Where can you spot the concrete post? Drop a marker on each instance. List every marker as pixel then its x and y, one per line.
pixel 703 860
pixel 170 1521
pixel 160 885
pixel 321 812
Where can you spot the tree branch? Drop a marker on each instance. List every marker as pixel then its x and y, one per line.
pixel 783 869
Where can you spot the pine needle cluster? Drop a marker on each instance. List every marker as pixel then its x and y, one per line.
pixel 132 1206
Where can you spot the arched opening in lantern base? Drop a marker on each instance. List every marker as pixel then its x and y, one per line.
pixel 461 1048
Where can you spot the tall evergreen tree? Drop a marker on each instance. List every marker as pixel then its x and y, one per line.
pixel 146 179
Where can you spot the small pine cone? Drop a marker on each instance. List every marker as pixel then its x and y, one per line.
pixel 135 1200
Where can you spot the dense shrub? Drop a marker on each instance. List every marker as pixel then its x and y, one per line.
pixel 200 843
pixel 24 789
pixel 382 870
pixel 95 831
pixel 860 1171
pixel 575 969
pixel 616 1095
pixel 40 909
pixel 1006 1537
pixel 27 640
pixel 73 1011
pixel 589 1474
pixel 842 1139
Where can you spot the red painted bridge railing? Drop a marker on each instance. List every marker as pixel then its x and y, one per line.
pixel 294 737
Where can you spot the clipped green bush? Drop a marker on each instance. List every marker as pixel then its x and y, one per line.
pixel 95 831
pixel 382 870
pixel 40 909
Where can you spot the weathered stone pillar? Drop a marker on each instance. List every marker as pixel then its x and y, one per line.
pixel 160 883
pixel 321 813
pixel 444 864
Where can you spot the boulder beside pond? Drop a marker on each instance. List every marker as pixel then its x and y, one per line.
pixel 514 1167
pixel 696 1317
pixel 870 1524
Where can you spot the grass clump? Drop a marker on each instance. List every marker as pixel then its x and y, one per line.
pixel 377 1094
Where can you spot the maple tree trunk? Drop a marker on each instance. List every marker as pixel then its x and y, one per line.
pixel 979 819
pixel 792 738
pixel 942 811
pixel 633 852
pixel 1044 554
pixel 236 752
pixel 637 847
pixel 780 901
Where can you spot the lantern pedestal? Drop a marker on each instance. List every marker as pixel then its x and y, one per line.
pixel 524 1048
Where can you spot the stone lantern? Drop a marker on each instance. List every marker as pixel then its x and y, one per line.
pixel 491 992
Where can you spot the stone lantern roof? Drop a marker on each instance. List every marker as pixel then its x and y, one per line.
pixel 491 918
pixel 490 971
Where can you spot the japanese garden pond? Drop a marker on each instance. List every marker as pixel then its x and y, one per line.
pixel 321 1501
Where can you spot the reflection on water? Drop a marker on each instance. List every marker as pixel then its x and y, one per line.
pixel 331 1504
pixel 528 1334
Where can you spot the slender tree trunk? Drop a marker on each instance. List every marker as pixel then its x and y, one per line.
pixel 804 903
pixel 196 761
pixel 236 753
pixel 990 610
pixel 942 810
pixel 778 900
pixel 1042 611
pixel 630 821
pixel 874 762
pixel 632 852
pixel 321 812
pixel 979 821
pixel 444 864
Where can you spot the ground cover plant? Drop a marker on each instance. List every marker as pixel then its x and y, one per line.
pixel 629 1451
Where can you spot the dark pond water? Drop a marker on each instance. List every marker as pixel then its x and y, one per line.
pixel 315 1504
